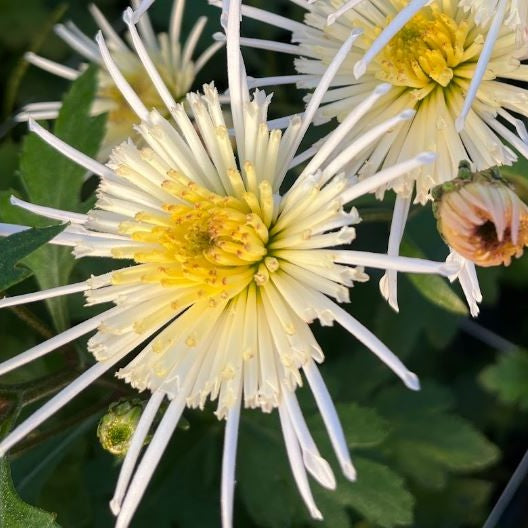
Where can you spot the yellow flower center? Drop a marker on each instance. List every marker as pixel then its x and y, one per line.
pixel 212 244
pixel 426 52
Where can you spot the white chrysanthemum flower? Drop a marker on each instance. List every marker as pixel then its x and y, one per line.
pixel 429 58
pixel 228 272
pixel 173 59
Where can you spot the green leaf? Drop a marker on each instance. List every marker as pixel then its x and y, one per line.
pixel 14 512
pixel 363 427
pixel 263 473
pixel 51 179
pixel 508 378
pixel 433 287
pixel 15 247
pixel 428 442
pixel 464 502
pixel 379 495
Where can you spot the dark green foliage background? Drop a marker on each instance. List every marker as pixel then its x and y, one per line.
pixel 434 459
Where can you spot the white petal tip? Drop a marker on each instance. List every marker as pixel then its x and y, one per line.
pixel 219 36
pixel 360 68
pixel 407 114
pixel 426 157
pixel 128 16
pixel 350 472
pixel 330 19
pixel 382 88
pixel 115 507
pixel 393 303
pixel 460 123
pixel 411 381
pixel 320 469
pixel 316 514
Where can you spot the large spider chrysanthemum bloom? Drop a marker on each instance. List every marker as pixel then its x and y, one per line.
pixel 173 59
pixel 228 271
pixel 429 63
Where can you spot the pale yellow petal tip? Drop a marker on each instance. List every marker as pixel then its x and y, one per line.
pixel 115 507
pixel 460 123
pixel 360 68
pixel 330 19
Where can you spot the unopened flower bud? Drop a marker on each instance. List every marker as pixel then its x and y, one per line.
pixel 481 217
pixel 117 426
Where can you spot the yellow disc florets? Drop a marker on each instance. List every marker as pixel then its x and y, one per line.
pixel 426 52
pixel 205 240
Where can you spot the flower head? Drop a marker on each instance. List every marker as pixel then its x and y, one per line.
pixel 228 272
pixel 448 66
pixel 481 217
pixel 173 60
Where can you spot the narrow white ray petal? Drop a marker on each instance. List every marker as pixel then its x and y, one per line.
pixel 11 229
pixel 385 176
pixel 319 92
pixel 192 39
pixel 46 294
pixel 341 11
pixel 51 67
pixel 364 141
pixel 269 45
pixel 141 10
pixel 44 105
pixel 78 157
pixel 150 460
pixel 176 21
pixel 403 16
pixel 55 342
pixel 236 74
pixel 122 84
pixel 314 462
pixel 467 276
pixel 333 140
pixel 107 28
pixel 330 418
pixel 302 157
pixel 397 263
pixel 389 282
pixel 520 127
pixel 296 463
pixel 205 57
pixel 49 212
pixel 23 117
pixel 66 238
pixel 147 62
pixel 281 122
pixel 145 28
pixel 482 64
pixel 365 336
pixel 134 449
pixel 78 44
pixel 274 81
pixel 265 16
pixel 229 463
pixel 57 402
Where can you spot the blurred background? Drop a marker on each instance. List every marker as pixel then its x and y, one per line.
pixel 439 458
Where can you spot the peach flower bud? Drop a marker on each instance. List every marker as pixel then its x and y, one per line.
pixel 481 217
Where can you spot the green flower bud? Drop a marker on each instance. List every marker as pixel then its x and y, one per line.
pixel 117 426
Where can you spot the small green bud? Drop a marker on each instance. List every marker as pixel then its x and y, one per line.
pixel 117 426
